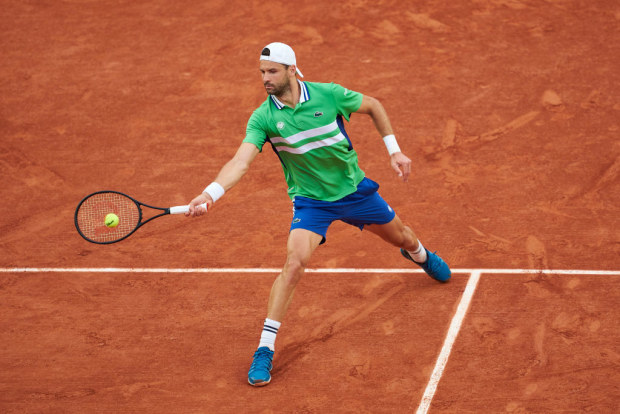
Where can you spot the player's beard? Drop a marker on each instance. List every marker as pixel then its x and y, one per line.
pixel 278 89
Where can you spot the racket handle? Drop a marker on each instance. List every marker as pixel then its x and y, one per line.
pixel 184 209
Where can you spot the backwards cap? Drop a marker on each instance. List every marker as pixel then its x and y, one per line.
pixel 280 53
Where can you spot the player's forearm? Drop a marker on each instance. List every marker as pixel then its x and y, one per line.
pixel 376 111
pixel 231 173
pixel 379 116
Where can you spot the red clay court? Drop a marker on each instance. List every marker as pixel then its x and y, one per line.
pixel 510 111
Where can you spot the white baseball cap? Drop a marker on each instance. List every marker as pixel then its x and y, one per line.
pixel 280 53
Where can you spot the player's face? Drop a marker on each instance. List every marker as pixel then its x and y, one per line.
pixel 275 77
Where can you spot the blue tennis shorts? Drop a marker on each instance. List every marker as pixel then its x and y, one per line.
pixel 365 206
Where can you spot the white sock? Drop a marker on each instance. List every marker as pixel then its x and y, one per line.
pixel 268 336
pixel 420 254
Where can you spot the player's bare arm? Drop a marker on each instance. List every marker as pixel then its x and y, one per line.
pixel 399 161
pixel 371 106
pixel 228 177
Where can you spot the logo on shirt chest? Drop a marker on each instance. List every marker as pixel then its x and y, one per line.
pixel 280 125
pixel 318 114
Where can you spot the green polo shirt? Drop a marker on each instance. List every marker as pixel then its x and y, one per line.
pixel 315 151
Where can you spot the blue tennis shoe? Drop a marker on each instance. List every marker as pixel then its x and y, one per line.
pixel 259 374
pixel 434 266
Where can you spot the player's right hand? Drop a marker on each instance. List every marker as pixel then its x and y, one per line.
pixel 194 206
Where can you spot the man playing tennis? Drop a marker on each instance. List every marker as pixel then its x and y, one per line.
pixel 304 123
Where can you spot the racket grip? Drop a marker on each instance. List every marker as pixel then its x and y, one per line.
pixel 184 209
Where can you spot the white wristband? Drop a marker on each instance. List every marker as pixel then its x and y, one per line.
pixel 214 190
pixel 391 144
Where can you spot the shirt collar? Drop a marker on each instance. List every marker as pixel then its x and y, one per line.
pixel 303 96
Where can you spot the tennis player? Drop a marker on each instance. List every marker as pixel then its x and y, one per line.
pixel 304 124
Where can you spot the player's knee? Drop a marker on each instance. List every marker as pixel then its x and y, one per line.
pixel 297 265
pixel 294 269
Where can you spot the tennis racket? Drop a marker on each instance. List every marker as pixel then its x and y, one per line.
pixel 93 211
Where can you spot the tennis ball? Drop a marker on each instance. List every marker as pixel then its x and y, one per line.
pixel 111 220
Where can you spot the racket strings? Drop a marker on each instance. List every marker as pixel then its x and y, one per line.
pixel 92 212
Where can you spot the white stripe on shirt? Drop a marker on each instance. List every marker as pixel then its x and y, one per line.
pixel 309 133
pixel 311 145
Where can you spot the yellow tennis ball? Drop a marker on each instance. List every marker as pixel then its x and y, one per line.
pixel 111 220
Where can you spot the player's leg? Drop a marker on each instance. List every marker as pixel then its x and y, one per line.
pixel 399 235
pixel 367 209
pixel 395 233
pixel 300 246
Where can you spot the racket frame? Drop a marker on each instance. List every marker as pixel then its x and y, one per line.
pixel 138 204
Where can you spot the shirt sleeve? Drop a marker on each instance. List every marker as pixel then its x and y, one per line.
pixel 254 132
pixel 347 101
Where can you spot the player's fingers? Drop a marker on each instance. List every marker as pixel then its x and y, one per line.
pixel 190 210
pixel 200 209
pixel 194 208
pixel 406 171
pixel 396 167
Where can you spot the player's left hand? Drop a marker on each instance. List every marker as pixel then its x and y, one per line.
pixel 401 164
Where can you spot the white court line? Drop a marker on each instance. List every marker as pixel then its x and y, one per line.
pixel 277 270
pixel 453 331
